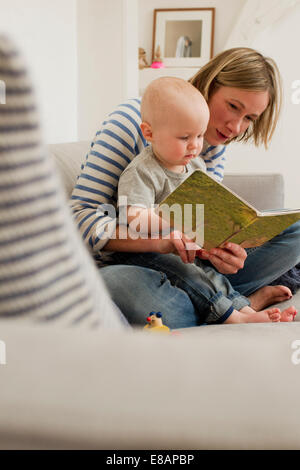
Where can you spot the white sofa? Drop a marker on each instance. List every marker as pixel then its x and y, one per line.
pixel 212 387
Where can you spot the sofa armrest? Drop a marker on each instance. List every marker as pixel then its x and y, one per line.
pixel 263 191
pixel 68 158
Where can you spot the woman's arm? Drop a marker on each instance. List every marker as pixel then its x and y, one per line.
pixel 175 242
pixel 94 197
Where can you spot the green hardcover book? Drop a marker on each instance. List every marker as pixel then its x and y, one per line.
pixel 226 216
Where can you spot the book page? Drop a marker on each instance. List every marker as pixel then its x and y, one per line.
pixel 224 212
pixel 226 216
pixel 263 229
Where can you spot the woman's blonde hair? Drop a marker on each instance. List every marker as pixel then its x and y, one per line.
pixel 247 69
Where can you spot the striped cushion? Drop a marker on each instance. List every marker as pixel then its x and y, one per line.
pixel 45 271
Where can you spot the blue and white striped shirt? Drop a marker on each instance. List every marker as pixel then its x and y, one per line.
pixel 118 141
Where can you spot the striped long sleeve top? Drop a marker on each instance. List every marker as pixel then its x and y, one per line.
pixel 46 274
pixel 94 197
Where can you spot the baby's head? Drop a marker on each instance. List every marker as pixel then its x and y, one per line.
pixel 174 120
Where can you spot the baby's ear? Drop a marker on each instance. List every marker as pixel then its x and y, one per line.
pixel 146 130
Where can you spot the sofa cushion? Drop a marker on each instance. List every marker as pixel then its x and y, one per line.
pixel 45 271
pixel 215 387
pixel 263 191
pixel 68 158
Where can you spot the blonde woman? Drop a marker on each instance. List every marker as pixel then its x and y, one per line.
pixel 243 92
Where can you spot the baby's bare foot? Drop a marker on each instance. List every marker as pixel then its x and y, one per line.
pixel 271 314
pixel 269 295
pixel 274 314
pixel 288 314
pixel 246 316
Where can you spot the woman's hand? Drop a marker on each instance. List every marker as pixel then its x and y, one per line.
pixel 227 260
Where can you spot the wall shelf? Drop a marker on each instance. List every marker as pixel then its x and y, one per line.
pixel 148 74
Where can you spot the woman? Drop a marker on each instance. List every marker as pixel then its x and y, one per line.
pixel 242 89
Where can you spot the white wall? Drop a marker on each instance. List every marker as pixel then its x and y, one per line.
pixel 281 42
pixel 46 33
pixel 108 59
pixel 83 58
pixel 226 14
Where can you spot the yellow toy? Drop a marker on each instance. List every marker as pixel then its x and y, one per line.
pixel 155 323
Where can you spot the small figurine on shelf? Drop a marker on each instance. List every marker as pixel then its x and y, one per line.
pixel 142 59
pixel 157 60
pixel 155 323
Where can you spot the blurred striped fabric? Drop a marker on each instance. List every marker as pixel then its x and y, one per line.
pixel 45 271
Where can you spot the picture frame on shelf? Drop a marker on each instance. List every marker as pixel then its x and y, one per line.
pixel 183 36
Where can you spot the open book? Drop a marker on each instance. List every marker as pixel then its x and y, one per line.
pixel 226 217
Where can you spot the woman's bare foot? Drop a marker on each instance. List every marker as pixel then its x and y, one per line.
pixel 288 314
pixel 269 295
pixel 247 315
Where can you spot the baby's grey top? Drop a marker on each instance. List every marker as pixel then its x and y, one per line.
pixel 145 181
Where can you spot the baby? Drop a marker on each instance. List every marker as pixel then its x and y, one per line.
pixel 174 120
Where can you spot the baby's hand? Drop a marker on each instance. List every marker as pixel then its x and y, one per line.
pixel 178 243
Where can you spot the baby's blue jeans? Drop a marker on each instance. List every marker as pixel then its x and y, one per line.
pixel 138 290
pixel 210 292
